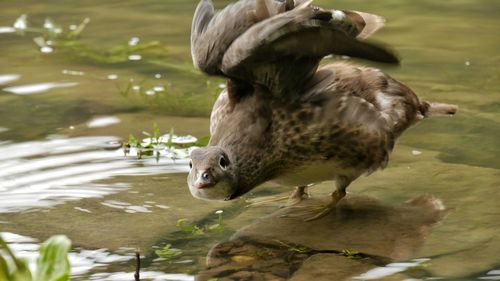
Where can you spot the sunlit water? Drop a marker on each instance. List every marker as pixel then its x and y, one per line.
pixel 64 112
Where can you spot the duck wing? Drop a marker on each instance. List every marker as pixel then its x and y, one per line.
pixel 282 51
pixel 213 32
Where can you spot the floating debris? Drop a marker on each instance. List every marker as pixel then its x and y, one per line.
pixel 157 75
pixel 150 92
pixel 159 89
pixel 133 41
pixel 112 77
pixel 48 24
pixel 73 72
pixel 467 63
pixel 21 23
pixel 46 49
pixel 183 139
pixel 416 152
pixel 134 57
pixel 149 141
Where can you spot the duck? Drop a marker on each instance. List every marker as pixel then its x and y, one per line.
pixel 283 116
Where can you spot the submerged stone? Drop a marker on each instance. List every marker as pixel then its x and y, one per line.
pixel 360 234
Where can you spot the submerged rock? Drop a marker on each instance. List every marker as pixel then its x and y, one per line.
pixel 360 235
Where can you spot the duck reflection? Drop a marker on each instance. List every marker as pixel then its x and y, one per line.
pixel 354 242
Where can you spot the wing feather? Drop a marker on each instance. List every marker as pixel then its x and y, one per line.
pixel 285 49
pixel 213 32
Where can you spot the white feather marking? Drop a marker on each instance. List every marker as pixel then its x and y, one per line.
pixel 338 15
pixel 383 100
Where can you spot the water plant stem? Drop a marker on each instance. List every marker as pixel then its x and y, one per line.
pixel 137 275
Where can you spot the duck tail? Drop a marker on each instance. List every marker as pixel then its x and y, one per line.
pixel 431 109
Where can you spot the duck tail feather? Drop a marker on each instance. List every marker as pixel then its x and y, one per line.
pixel 431 109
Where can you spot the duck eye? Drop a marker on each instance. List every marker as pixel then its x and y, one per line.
pixel 223 162
pixel 190 164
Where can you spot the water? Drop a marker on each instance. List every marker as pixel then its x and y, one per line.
pixel 64 112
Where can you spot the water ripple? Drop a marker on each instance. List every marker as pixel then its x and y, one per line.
pixel 41 174
pixel 84 261
pixel 38 88
pixel 7 78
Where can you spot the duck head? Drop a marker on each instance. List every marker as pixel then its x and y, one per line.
pixel 212 174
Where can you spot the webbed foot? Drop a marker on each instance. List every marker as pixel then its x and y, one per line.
pixel 314 212
pixel 296 197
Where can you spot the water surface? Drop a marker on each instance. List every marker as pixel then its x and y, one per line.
pixel 64 113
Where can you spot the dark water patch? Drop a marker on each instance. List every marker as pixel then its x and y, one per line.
pixel 491 107
pixel 464 139
pixel 30 118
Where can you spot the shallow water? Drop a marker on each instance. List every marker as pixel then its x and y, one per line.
pixel 62 171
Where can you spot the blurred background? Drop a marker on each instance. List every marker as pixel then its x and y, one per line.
pixel 76 79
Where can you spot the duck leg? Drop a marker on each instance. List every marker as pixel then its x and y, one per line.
pixel 297 196
pixel 294 198
pixel 341 183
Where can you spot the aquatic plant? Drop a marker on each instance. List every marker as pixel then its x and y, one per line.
pixel 300 249
pixel 52 36
pixel 155 144
pixel 168 253
pixel 200 230
pixel 352 254
pixel 52 263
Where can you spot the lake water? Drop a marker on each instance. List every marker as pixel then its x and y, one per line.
pixel 65 107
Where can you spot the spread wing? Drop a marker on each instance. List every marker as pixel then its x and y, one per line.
pixel 247 23
pixel 213 31
pixel 282 51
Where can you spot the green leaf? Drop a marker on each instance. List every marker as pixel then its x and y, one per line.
pixel 17 270
pixel 170 144
pixel 168 252
pixel 193 229
pixel 53 263
pixel 156 134
pixel 214 226
pixel 181 224
pixel 78 30
pixel 4 269
pixel 132 141
pixel 23 272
